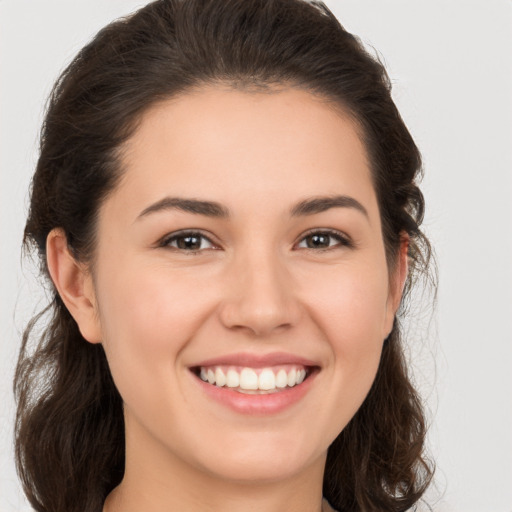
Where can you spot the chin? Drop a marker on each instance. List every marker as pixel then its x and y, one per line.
pixel 262 458
pixel 252 471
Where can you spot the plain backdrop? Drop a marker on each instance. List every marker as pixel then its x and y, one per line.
pixel 450 63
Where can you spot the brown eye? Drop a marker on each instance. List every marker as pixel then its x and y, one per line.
pixel 316 241
pixel 189 242
pixel 323 240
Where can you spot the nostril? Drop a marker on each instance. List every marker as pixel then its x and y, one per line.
pixel 260 304
pixel 259 329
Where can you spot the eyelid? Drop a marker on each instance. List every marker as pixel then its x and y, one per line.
pixel 166 239
pixel 343 238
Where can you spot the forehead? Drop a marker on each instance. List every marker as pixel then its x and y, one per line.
pixel 273 147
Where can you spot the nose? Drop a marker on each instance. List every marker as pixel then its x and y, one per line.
pixel 260 297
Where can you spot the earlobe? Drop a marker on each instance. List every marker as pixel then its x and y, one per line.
pixel 402 270
pixel 74 285
pixel 398 279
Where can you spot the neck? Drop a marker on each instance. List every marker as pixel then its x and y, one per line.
pixel 158 481
pixel 226 498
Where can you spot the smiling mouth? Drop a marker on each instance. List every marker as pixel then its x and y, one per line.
pixel 254 380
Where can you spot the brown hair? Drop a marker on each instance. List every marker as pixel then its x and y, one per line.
pixel 69 426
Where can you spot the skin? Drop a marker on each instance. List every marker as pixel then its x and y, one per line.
pixel 255 287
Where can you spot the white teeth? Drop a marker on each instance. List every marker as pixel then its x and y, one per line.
pixel 232 379
pixel 267 379
pixel 220 378
pixel 292 377
pixel 249 379
pixel 281 379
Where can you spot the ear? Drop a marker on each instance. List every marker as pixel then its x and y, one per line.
pixel 74 285
pixel 397 281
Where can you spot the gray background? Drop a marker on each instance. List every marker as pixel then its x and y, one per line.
pixel 450 61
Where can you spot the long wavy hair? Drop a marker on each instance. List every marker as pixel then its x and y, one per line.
pixel 69 424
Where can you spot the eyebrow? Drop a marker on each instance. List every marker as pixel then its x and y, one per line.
pixel 306 207
pixel 199 207
pixel 316 205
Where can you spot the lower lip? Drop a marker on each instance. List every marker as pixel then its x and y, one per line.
pixel 257 404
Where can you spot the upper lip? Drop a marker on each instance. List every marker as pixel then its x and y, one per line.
pixel 256 360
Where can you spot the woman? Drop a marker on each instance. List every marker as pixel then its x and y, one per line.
pixel 226 205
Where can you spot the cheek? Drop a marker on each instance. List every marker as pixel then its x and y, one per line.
pixel 351 305
pixel 351 313
pixel 147 317
pixel 149 304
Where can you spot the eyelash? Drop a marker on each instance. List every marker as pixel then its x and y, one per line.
pixel 174 237
pixel 341 239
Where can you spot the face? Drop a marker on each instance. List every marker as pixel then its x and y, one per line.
pixel 240 283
